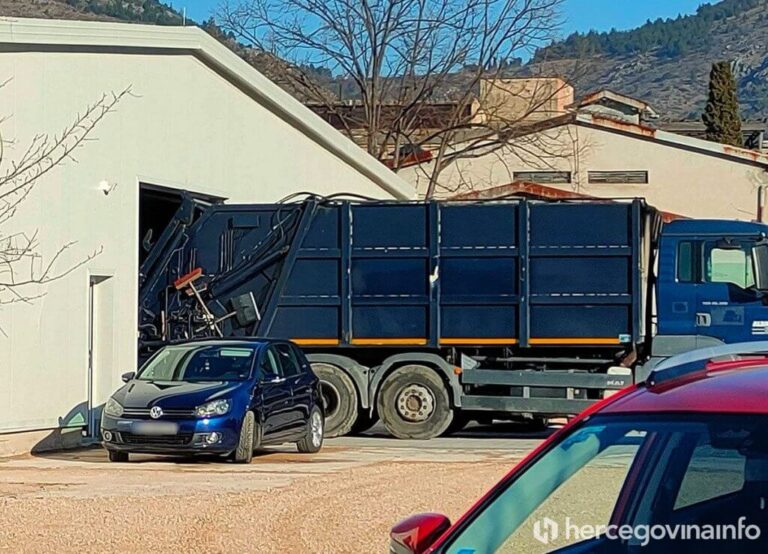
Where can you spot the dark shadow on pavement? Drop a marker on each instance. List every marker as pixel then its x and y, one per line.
pixel 69 433
pixel 95 454
pixel 496 430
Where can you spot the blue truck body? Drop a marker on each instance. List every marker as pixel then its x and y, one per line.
pixel 520 307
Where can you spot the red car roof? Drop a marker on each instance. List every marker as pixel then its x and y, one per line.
pixel 739 386
pixel 735 387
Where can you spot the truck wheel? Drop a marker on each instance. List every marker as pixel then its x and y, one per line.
pixel 244 452
pixel 363 422
pixel 339 399
pixel 413 403
pixel 460 420
pixel 536 424
pixel 540 423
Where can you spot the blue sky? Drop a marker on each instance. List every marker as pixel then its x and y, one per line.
pixel 580 15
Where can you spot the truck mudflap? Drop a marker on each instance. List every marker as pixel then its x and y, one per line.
pixel 538 392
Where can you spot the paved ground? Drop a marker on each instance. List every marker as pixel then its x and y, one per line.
pixel 341 500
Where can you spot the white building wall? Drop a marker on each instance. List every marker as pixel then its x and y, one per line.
pixel 680 179
pixel 184 126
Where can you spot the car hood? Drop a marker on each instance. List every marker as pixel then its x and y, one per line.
pixel 173 394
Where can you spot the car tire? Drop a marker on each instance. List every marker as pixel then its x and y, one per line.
pixel 313 440
pixel 243 454
pixel 339 398
pixel 116 456
pixel 413 403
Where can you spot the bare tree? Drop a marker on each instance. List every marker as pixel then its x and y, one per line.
pixel 421 74
pixel 23 269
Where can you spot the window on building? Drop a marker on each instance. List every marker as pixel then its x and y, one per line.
pixel 543 177
pixel 618 177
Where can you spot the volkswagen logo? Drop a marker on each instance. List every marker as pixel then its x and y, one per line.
pixel 156 412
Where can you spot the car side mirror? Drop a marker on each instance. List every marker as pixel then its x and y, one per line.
pixel 417 533
pixel 128 376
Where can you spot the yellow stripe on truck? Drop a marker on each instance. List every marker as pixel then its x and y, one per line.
pixel 389 341
pixel 469 340
pixel 580 340
pixel 318 342
pixel 415 341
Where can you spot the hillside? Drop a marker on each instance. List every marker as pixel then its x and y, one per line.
pixel 667 62
pixel 147 12
pixel 151 11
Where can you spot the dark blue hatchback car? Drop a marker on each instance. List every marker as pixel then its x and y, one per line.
pixel 226 397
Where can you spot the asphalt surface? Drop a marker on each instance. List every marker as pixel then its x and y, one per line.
pixel 343 499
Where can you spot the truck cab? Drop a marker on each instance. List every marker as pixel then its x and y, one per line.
pixel 711 283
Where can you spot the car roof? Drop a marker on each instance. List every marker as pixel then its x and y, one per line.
pixel 724 387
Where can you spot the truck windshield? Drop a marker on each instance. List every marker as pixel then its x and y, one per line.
pixel 194 363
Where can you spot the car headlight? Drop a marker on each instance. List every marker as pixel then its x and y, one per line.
pixel 113 408
pixel 213 408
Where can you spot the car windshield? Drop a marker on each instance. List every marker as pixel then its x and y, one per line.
pixel 621 483
pixel 195 363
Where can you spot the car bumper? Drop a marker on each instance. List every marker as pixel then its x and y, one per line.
pixel 182 436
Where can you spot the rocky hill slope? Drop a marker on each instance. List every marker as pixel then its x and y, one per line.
pixel 667 62
pixel 147 12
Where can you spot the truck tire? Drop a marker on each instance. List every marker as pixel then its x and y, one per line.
pixel 339 399
pixel 363 422
pixel 537 424
pixel 460 421
pixel 413 403
pixel 243 454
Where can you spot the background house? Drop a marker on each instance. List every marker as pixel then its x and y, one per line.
pixel 607 157
pixel 197 118
pixel 524 99
pixel 613 105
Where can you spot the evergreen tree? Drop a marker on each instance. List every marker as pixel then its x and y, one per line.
pixel 721 116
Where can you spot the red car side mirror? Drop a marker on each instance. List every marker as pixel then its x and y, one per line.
pixel 417 533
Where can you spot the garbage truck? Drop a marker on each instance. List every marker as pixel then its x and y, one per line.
pixel 427 315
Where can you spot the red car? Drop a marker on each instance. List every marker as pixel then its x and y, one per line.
pixel 676 464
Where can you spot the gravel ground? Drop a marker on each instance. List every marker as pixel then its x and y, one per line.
pixel 342 500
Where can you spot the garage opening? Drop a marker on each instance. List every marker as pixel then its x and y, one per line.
pixel 157 206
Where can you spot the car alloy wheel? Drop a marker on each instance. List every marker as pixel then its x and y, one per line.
pixel 316 424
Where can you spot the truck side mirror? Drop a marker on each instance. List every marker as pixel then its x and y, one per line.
pixel 760 265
